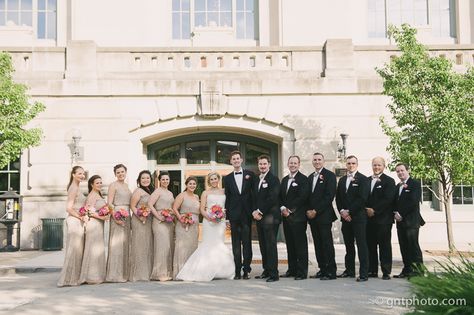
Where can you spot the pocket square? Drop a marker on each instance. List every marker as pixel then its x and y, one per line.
pixel 294 184
pixel 264 185
pixel 378 187
pixel 355 185
pixel 406 190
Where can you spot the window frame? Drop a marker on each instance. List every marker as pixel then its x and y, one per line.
pixel 10 171
pixel 193 29
pixel 35 11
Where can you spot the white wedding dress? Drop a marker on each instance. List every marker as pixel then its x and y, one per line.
pixel 212 259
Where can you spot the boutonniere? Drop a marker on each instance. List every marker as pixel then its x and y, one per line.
pixel 247 176
pixel 321 177
pixel 378 180
pixel 294 184
pixel 353 179
pixel 405 186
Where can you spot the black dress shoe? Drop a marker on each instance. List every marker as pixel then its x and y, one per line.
pixel 373 275
pixel 272 279
pixel 287 275
pixel 401 275
pixel 386 276
pixel 328 277
pixel 237 277
pixel 262 276
pixel 317 275
pixel 300 278
pixel 345 274
pixel 362 279
pixel 246 275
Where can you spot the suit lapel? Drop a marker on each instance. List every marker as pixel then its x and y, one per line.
pixel 234 184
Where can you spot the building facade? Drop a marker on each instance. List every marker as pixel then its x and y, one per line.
pixel 177 84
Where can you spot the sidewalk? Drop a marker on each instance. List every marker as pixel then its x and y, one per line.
pixel 52 261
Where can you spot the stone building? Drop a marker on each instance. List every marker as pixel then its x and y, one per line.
pixel 177 84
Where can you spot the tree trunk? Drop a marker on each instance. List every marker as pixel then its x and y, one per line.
pixel 449 224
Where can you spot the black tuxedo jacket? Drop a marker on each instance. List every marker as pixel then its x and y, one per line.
pixel 322 197
pixel 408 205
pixel 239 205
pixel 355 198
pixel 295 198
pixel 382 199
pixel 267 199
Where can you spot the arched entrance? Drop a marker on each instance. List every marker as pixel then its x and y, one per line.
pixel 197 154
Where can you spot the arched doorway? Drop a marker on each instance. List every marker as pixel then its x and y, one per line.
pixel 197 154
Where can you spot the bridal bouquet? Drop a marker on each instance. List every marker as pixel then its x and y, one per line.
pixel 217 214
pixel 105 210
pixel 83 211
pixel 121 215
pixel 143 212
pixel 187 219
pixel 168 215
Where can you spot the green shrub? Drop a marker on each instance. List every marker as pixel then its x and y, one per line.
pixel 450 288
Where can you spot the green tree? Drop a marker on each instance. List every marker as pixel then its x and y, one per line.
pixel 432 108
pixel 15 113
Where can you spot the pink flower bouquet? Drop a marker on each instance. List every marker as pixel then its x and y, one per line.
pixel 217 214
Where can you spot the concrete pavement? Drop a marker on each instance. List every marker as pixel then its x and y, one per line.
pixel 26 288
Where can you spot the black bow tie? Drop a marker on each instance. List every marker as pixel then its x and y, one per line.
pixel 237 173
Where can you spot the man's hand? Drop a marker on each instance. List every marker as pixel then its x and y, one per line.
pixel 311 214
pixel 398 217
pixel 345 215
pixel 256 215
pixel 285 212
pixel 370 212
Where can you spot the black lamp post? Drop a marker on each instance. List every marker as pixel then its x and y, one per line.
pixel 10 215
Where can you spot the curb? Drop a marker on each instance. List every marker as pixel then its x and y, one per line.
pixel 8 271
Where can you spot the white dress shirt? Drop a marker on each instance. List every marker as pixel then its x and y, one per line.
pixel 239 179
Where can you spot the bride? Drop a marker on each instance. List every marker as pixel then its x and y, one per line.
pixel 212 259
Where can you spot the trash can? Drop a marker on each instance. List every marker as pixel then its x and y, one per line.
pixel 52 234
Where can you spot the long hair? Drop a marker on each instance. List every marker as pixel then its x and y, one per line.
pixel 71 178
pixel 149 189
pixel 190 178
pixel 91 181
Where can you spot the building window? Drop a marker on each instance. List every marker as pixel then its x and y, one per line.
pixel 16 12
pixel 41 13
pixel 10 177
pixel 181 22
pixel 168 155
pixel 427 194
pixel 223 150
pixel 438 14
pixel 198 152
pixel 442 18
pixel 47 19
pixel 213 13
pixel 462 195
pixel 237 15
pixel 245 17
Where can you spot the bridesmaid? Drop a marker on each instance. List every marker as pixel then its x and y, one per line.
pixel 93 263
pixel 75 230
pixel 163 232
pixel 141 255
pixel 186 236
pixel 118 198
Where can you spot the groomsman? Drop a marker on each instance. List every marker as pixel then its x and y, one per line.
pixel 239 204
pixel 409 220
pixel 351 197
pixel 321 215
pixel 268 217
pixel 293 197
pixel 380 206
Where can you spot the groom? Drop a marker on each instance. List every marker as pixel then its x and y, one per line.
pixel 238 191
